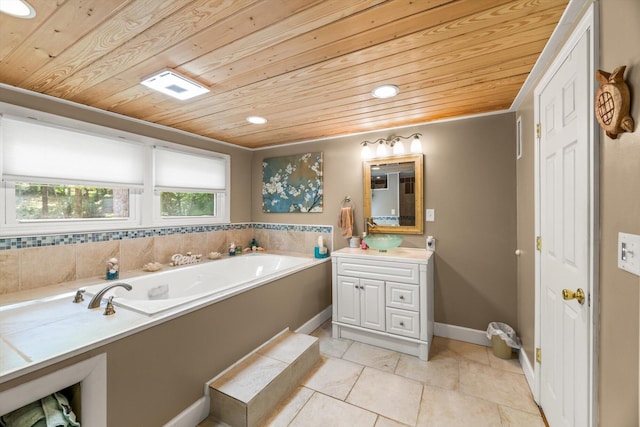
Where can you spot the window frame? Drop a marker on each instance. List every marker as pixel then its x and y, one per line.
pixel 10 226
pixel 144 203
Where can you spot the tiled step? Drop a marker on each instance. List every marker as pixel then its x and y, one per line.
pixel 248 392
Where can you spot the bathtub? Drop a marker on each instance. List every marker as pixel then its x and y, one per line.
pixel 175 286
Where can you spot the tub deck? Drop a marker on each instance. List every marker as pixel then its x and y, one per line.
pixel 38 333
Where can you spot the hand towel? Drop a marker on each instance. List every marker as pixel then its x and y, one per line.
pixel 345 222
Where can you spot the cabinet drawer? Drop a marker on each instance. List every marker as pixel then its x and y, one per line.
pixel 403 322
pixel 379 270
pixel 400 295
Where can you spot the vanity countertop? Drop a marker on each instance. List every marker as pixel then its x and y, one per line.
pixel 414 255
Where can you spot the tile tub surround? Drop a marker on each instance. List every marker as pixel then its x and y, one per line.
pixel 28 264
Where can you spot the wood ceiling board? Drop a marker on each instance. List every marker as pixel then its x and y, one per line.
pixel 16 31
pixel 307 65
pixel 235 27
pixel 363 123
pixel 262 97
pixel 450 50
pixel 64 27
pixel 113 36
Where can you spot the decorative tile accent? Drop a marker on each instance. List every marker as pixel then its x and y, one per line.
pixel 105 236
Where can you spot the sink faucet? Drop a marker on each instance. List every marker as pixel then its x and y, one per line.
pixel 95 301
pixel 369 224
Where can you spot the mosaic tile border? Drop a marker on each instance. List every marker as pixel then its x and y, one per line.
pixel 105 236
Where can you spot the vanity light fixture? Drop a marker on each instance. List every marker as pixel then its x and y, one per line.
pixel 172 83
pixel 385 91
pixel 17 8
pixel 393 142
pixel 256 120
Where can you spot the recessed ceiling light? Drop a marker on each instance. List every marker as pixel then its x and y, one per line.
pixel 17 8
pixel 256 120
pixel 385 91
pixel 173 84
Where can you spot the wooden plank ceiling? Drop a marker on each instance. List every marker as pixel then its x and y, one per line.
pixel 308 66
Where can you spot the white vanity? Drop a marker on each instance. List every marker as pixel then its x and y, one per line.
pixel 384 298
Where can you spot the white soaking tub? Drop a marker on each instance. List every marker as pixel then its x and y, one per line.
pixel 175 286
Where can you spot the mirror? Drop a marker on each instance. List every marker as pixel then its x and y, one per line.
pixel 393 194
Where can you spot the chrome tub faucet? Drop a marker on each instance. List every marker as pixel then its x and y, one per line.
pixel 95 301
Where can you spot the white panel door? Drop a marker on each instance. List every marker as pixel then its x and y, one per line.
pixel 373 307
pixel 564 228
pixel 348 300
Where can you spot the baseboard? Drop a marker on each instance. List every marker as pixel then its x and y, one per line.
pixel 461 333
pixel 529 373
pixel 193 415
pixel 315 322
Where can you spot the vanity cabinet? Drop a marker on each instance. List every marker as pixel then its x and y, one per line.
pixel 361 302
pixel 384 298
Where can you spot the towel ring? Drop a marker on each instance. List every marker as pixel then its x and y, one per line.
pixel 346 202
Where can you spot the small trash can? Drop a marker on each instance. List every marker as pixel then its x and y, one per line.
pixel 503 339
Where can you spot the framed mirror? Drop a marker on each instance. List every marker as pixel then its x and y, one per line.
pixel 393 194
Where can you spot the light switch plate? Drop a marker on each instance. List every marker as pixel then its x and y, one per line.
pixel 629 252
pixel 430 215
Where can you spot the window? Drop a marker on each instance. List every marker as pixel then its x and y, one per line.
pixel 189 185
pixel 47 201
pixel 61 179
pixel 187 204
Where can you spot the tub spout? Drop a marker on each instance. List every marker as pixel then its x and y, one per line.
pixel 95 301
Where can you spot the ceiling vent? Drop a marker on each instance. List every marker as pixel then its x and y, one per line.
pixel 173 84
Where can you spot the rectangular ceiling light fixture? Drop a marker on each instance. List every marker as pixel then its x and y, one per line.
pixel 173 84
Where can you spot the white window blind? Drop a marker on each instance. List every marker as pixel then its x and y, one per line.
pixel 41 153
pixel 186 172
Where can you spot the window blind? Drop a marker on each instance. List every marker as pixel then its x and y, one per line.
pixel 188 172
pixel 35 152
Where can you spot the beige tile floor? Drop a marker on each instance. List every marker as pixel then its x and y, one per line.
pixel 357 384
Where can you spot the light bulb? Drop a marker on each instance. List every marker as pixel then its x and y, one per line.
pixel 398 148
pixel 416 145
pixel 385 91
pixel 381 151
pixel 17 8
pixel 366 152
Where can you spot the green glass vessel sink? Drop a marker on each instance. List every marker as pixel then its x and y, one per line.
pixel 383 242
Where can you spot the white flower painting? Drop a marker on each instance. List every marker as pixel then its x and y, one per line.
pixel 292 183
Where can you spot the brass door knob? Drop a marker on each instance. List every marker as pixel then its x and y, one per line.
pixel 577 295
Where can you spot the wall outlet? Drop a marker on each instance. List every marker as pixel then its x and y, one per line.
pixel 431 243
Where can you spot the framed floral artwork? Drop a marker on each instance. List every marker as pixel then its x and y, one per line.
pixel 292 183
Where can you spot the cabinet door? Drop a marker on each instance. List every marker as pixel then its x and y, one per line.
pixel 348 300
pixel 373 306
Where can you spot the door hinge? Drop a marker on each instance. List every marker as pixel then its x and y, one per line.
pixel 538 130
pixel 538 355
pixel 538 243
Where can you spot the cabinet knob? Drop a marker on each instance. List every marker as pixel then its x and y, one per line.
pixel 402 297
pixel 401 323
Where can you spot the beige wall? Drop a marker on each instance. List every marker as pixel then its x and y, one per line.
pixel 619 205
pixel 619 211
pixel 469 181
pixel 526 231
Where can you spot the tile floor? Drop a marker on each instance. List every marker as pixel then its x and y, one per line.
pixel 357 384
